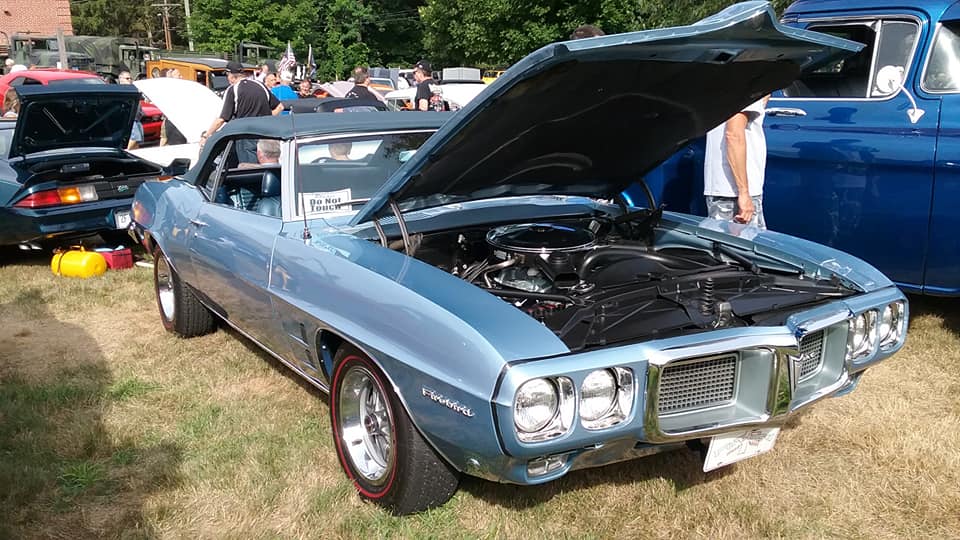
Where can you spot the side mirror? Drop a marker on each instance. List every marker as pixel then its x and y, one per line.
pixel 178 166
pixel 889 82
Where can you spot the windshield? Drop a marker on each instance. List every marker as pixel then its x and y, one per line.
pixel 332 172
pixel 943 68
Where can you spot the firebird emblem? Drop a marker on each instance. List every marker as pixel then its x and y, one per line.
pixel 122 187
pixel 451 404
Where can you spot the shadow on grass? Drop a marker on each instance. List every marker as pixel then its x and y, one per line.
pixel 947 309
pixel 279 366
pixel 63 474
pixel 681 468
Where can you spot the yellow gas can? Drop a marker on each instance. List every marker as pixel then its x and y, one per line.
pixel 78 262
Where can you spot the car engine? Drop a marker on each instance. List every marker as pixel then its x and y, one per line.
pixel 597 282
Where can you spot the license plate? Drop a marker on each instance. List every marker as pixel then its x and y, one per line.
pixel 122 219
pixel 739 445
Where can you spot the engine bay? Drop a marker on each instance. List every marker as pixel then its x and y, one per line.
pixel 602 281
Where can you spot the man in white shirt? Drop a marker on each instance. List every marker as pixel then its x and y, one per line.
pixel 733 170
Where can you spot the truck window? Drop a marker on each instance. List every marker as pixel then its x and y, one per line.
pixel 887 42
pixel 897 40
pixel 943 69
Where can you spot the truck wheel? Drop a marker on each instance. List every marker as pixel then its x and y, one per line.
pixel 378 446
pixel 180 311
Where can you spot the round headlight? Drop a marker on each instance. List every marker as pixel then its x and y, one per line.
pixel 597 394
pixel 535 405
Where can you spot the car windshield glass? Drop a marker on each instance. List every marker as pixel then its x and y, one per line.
pixel 332 172
pixel 943 70
pixel 78 80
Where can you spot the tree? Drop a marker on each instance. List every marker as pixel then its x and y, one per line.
pixel 127 18
pixel 500 32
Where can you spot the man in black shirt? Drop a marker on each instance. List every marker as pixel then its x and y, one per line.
pixel 244 98
pixel 361 78
pixel 425 99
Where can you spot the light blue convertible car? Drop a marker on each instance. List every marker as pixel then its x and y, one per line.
pixel 478 298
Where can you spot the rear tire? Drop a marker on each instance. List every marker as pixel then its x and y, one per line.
pixel 379 448
pixel 180 311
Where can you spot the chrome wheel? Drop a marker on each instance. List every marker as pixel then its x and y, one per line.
pixel 366 425
pixel 165 293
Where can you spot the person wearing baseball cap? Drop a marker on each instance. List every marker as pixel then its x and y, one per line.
pixel 425 99
pixel 244 98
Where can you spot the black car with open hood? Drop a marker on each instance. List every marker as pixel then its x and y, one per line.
pixel 64 168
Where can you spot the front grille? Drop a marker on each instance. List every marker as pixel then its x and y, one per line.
pixel 811 354
pixel 697 384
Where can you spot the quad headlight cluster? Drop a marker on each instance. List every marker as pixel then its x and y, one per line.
pixel 875 328
pixel 545 408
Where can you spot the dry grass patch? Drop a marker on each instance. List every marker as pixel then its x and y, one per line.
pixel 110 427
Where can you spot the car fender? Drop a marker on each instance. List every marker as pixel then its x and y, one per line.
pixel 442 341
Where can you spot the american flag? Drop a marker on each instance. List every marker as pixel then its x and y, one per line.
pixel 287 61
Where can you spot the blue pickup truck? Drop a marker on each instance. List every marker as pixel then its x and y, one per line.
pixel 858 161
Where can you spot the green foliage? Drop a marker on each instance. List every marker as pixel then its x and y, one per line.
pixel 126 18
pixel 500 32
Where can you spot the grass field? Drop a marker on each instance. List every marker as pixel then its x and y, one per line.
pixel 110 427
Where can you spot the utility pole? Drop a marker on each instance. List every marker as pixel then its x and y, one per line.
pixel 186 11
pixel 62 49
pixel 166 21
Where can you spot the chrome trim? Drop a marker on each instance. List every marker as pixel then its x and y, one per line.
pixel 781 399
pixel 784 111
pixel 297 370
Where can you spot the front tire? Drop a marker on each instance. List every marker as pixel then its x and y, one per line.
pixel 379 448
pixel 180 311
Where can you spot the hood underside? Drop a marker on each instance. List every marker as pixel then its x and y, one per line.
pixel 590 117
pixel 73 115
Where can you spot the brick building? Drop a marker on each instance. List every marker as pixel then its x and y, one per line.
pixel 35 16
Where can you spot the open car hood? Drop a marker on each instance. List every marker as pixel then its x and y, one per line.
pixel 190 105
pixel 591 116
pixel 73 115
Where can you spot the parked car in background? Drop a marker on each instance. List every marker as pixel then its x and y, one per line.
pixel 854 161
pixel 210 72
pixel 491 75
pixel 151 119
pixel 64 172
pixel 477 297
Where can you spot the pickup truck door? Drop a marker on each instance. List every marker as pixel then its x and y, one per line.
pixel 846 167
pixel 941 78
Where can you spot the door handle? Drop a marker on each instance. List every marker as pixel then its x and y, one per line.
pixel 785 111
pixel 198 223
